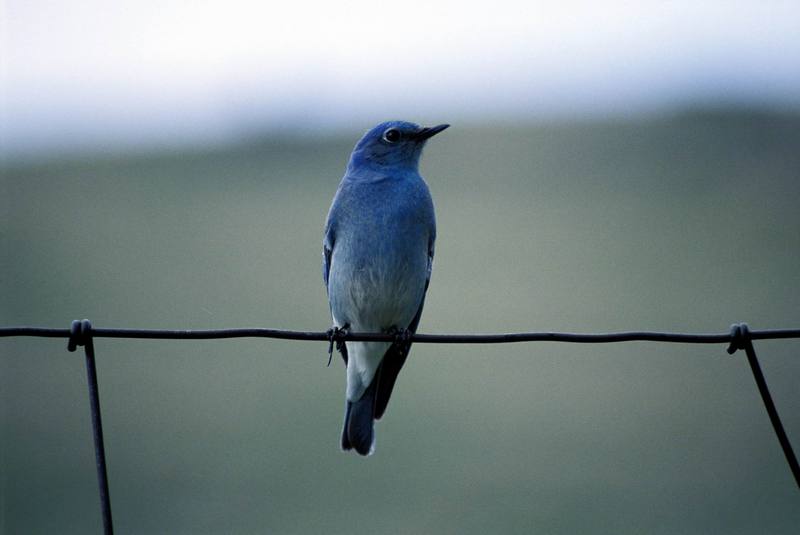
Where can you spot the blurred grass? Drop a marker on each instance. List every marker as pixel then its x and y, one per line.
pixel 687 223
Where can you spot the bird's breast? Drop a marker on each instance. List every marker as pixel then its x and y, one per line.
pixel 379 263
pixel 378 287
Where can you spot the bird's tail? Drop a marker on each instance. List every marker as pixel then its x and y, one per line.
pixel 359 416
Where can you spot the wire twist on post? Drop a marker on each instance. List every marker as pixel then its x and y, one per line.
pixel 740 338
pixel 80 333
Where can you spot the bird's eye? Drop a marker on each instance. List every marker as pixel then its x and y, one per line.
pixel 392 135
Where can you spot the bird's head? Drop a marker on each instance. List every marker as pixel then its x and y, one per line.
pixel 393 144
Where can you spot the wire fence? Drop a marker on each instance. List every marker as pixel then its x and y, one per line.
pixel 81 334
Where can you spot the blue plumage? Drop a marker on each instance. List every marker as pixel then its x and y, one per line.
pixel 377 256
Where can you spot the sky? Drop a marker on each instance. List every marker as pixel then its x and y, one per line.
pixel 99 74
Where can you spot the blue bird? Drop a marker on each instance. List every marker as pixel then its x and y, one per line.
pixel 377 256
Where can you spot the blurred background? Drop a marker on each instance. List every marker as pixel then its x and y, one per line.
pixel 611 166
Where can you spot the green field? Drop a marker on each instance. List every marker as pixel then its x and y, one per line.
pixel 688 223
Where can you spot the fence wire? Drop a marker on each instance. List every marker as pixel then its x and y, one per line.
pixel 81 333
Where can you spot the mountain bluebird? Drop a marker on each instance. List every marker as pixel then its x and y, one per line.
pixel 376 260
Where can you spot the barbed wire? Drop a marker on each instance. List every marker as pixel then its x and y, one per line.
pixel 345 336
pixel 81 334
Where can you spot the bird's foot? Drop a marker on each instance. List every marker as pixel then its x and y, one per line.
pixel 336 335
pixel 401 338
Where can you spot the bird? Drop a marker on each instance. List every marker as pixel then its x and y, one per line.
pixel 377 257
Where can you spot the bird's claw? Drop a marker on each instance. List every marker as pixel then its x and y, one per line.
pixel 336 336
pixel 401 337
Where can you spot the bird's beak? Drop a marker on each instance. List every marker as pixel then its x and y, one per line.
pixel 429 132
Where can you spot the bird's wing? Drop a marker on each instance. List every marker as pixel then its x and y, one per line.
pixel 327 252
pixel 329 238
pixel 326 262
pixel 396 355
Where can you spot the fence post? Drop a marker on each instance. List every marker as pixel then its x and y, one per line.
pixel 740 339
pixel 81 335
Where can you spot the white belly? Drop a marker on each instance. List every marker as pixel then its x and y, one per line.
pixel 373 299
